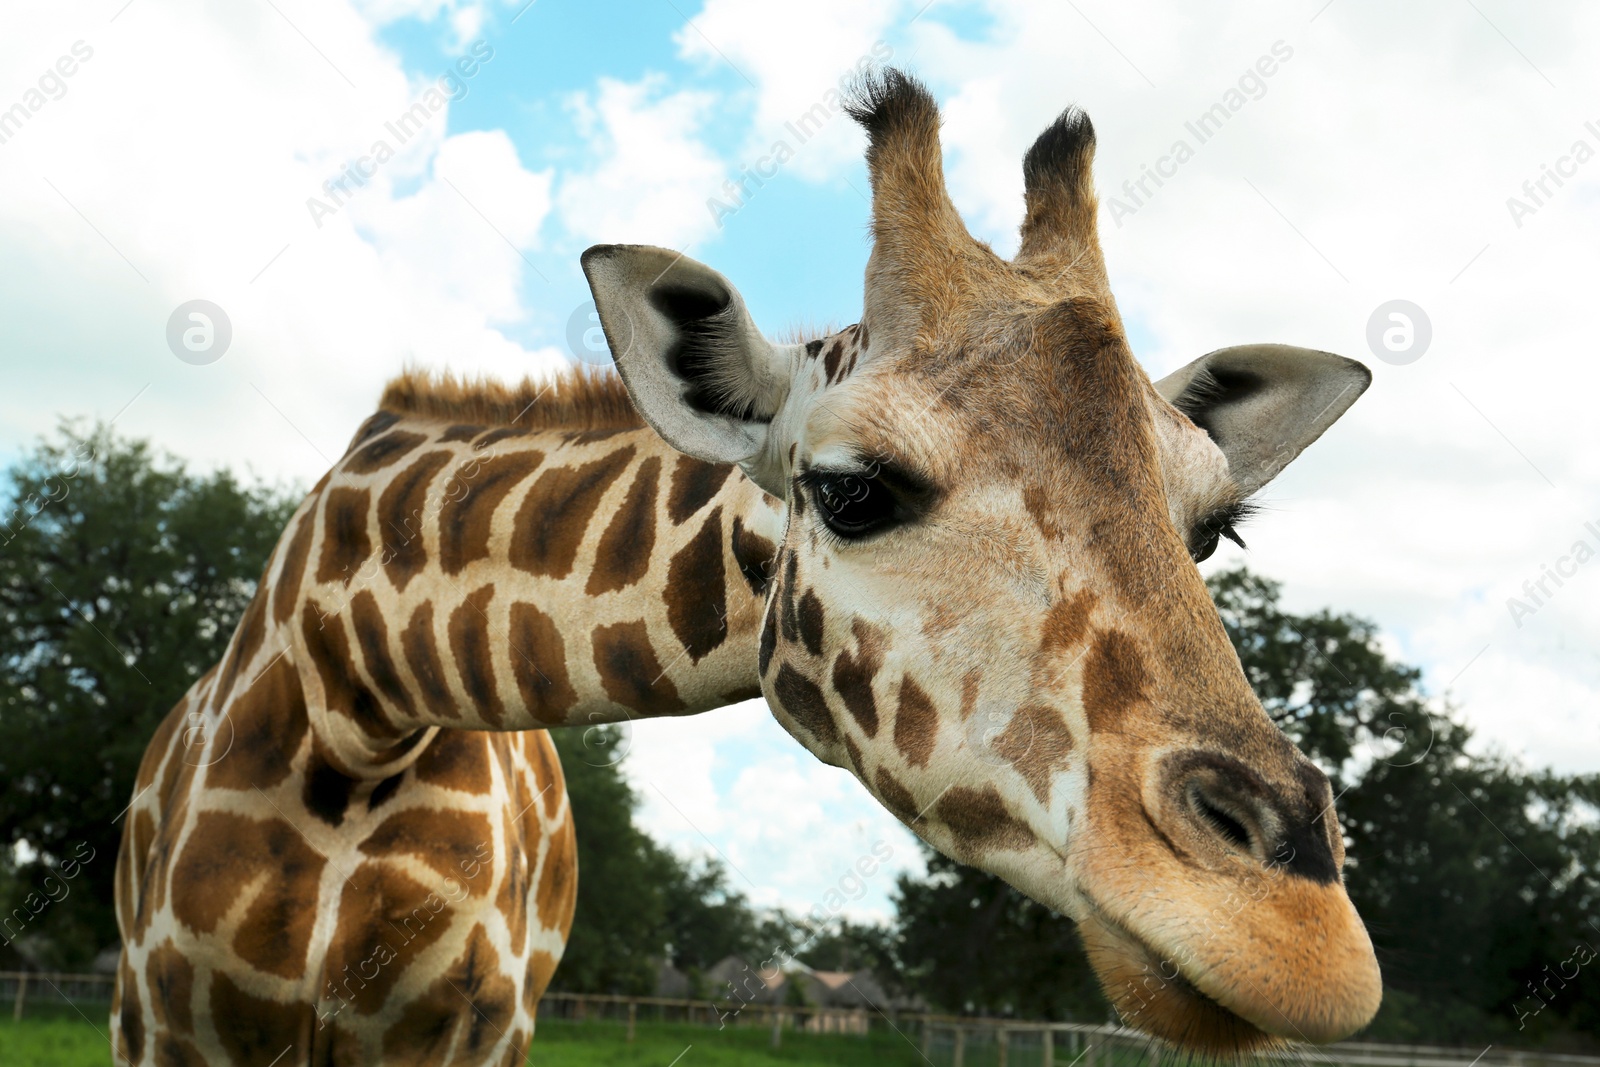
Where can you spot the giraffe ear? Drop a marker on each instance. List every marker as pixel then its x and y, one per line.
pixel 1263 404
pixel 694 363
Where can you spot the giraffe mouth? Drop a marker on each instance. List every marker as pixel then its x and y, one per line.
pixel 1153 994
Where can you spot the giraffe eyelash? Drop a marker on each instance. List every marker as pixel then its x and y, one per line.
pixel 1221 522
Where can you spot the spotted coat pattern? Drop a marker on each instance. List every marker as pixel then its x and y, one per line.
pixel 350 841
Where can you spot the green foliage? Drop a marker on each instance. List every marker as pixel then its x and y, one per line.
pixel 968 942
pixel 638 903
pixel 122 576
pixel 1323 678
pixel 621 914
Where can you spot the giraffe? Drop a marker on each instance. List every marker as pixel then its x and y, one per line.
pixel 953 546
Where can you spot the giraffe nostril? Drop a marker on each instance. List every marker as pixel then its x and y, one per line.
pixel 1222 821
pixel 1226 804
pixel 1229 806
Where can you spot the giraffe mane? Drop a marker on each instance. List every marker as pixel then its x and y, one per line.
pixel 573 398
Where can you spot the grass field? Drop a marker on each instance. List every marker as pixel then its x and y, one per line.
pixel 73 1042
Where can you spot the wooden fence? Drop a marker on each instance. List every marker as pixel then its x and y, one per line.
pixel 956 1041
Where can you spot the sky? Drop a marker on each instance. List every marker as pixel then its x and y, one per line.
pixel 256 154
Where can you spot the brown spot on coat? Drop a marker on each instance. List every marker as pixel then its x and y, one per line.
pixel 769 638
pixel 269 723
pixel 294 567
pixel 896 797
pixel 853 750
pixel 800 697
pixel 459 432
pixel 1067 621
pixel 246 642
pixel 969 692
pixel 786 598
pixel 473 494
pixel 372 635
pixel 830 362
pixel 623 554
pixel 916 724
pixel 258 1030
pixel 402 509
pixel 694 483
pixel 555 514
pixel 382 452
pixel 346 540
pixel 172 981
pixel 326 790
pixel 447 840
pixel 539 664
pixel 1037 501
pixel 375 424
pixel 469 644
pixel 457 759
pixel 421 649
pixel 512 897
pixel 386 920
pixel 629 671
pixel 753 555
pixel 853 674
pixel 131 1016
pixel 342 691
pixel 224 856
pixel 1037 743
pixel 696 591
pixel 1114 680
pixel 980 821
pixel 809 616
pixel 557 894
pixel 471 1004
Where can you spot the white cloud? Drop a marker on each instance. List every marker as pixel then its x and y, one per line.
pixel 652 173
pixel 795 57
pixel 187 145
pixel 790 828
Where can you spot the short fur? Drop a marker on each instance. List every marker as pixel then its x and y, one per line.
pixel 576 397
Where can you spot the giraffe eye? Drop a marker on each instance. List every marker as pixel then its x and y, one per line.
pixel 1214 527
pixel 851 505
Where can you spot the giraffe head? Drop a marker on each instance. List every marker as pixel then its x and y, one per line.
pixel 986 605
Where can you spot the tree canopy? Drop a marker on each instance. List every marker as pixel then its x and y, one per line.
pixel 122 576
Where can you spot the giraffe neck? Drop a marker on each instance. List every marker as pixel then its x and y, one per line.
pixel 447 576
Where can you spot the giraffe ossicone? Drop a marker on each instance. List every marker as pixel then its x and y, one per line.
pixel 954 547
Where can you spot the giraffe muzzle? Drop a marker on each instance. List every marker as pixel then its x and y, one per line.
pixel 1252 940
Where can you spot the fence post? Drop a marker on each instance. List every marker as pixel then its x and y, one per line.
pixel 22 995
pixel 1047 1055
pixel 633 1015
pixel 927 1040
pixel 1002 1045
pixel 777 1026
pixel 961 1048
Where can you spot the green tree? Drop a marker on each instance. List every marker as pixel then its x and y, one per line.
pixel 638 903
pixel 122 575
pixel 968 942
